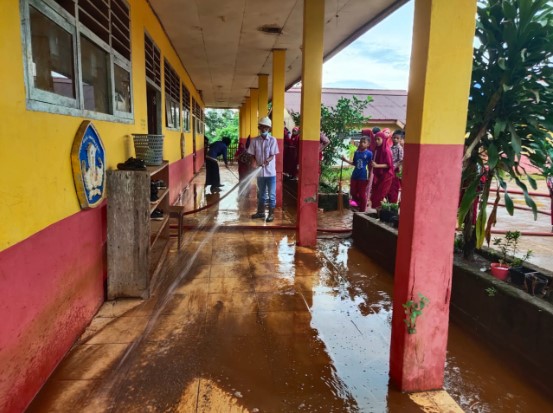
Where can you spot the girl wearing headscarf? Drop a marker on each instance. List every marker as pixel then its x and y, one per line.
pixel 290 160
pixel 383 170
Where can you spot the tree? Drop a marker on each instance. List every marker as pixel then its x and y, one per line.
pixel 220 123
pixel 509 113
pixel 337 123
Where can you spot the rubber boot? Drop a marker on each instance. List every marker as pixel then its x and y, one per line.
pixel 270 217
pixel 260 212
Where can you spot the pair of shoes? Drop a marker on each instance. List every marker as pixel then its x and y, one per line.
pixel 258 215
pixel 159 184
pixel 132 164
pixel 157 215
pixel 271 216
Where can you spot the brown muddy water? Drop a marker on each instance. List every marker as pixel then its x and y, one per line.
pixel 257 324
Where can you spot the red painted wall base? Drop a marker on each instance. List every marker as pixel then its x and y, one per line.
pixel 52 285
pixel 308 188
pixel 424 263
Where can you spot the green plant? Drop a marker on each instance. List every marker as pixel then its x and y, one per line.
pixel 389 206
pixel 508 247
pixel 509 114
pixel 491 291
pixel 338 123
pixel 220 123
pixel 458 243
pixel 413 310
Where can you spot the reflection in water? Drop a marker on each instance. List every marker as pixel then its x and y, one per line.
pixel 247 321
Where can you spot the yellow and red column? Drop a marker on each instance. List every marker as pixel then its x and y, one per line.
pixel 263 85
pixel 441 62
pixel 247 122
pixel 312 68
pixel 241 123
pixel 279 76
pixel 254 116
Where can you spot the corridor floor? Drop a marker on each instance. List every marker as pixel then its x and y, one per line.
pixel 243 320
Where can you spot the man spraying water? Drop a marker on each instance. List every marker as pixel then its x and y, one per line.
pixel 264 148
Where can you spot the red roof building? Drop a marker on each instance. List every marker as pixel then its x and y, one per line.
pixel 387 109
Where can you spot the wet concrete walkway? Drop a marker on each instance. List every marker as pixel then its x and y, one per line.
pixel 243 320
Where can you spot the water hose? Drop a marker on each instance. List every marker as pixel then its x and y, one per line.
pixel 244 227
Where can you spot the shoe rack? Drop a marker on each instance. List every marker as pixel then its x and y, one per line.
pixel 137 243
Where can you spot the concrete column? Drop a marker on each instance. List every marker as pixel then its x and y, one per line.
pixel 263 85
pixel 254 113
pixel 312 67
pixel 439 80
pixel 247 115
pixel 241 138
pixel 279 78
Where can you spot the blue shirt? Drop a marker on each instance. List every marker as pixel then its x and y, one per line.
pixel 216 149
pixel 360 161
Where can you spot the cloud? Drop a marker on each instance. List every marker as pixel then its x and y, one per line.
pixel 378 59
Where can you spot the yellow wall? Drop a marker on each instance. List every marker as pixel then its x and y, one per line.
pixel 36 180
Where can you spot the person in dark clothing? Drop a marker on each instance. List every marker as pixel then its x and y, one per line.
pixel 212 176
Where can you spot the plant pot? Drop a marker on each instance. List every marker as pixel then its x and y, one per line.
pixel 535 283
pixel 386 215
pixel 518 275
pixel 499 271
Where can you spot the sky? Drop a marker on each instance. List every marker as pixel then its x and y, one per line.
pixel 379 59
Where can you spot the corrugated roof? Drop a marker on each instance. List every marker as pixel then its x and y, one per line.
pixel 387 105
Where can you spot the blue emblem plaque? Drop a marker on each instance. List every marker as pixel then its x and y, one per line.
pixel 88 160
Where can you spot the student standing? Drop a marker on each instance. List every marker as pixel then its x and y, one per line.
pixel 383 170
pixel 360 175
pixel 264 149
pixel 397 159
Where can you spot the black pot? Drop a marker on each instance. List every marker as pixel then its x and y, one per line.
pixel 518 275
pixel 386 215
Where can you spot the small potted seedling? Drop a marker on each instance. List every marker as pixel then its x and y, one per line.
pixel 518 272
pixel 388 211
pixel 507 244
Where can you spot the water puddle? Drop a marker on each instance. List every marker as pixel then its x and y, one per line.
pixel 246 321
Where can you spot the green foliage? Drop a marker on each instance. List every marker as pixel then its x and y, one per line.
pixel 491 291
pixel 413 309
pixel 220 123
pixel 337 123
pixel 510 106
pixel 508 246
pixel 389 206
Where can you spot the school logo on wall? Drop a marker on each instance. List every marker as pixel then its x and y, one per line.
pixel 88 160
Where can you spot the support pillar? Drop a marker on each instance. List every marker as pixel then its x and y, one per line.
pixel 279 78
pixel 312 67
pixel 241 138
pixel 254 116
pixel 441 62
pixel 247 115
pixel 263 85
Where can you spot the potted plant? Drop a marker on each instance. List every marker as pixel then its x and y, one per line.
pixel 507 244
pixel 388 211
pixel 518 272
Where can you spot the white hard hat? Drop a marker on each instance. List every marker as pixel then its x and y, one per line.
pixel 265 122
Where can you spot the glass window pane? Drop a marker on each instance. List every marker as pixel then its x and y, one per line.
pixel 52 48
pixel 95 77
pixel 122 89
